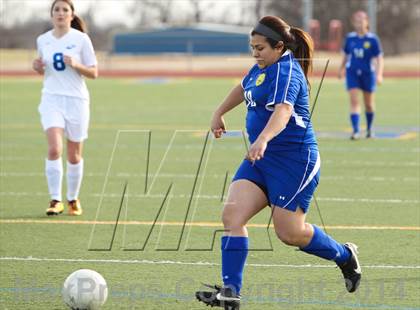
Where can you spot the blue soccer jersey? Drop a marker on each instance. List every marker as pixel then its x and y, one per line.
pixel 280 83
pixel 360 51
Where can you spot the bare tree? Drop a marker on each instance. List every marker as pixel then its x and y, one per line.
pixel 258 9
pixel 396 19
pixel 138 12
pixel 163 7
pixel 147 12
pixel 12 12
pixel 199 7
pixel 291 11
pixel 247 10
pixel 197 13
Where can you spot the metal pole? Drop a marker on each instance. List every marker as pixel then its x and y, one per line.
pixel 307 13
pixel 372 9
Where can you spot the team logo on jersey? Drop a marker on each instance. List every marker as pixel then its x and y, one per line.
pixel 260 79
pixel 69 47
pixel 366 44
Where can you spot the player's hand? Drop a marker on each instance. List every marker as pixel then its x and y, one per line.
pixel 217 126
pixel 68 60
pixel 38 65
pixel 256 150
pixel 340 74
pixel 379 79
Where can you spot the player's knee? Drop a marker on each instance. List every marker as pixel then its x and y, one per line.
pixel 74 158
pixel 354 104
pixel 228 221
pixel 369 108
pixel 54 152
pixel 231 222
pixel 292 238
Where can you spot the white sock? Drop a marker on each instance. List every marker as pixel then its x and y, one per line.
pixel 74 179
pixel 54 174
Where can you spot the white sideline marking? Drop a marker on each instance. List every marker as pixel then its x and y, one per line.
pixel 192 224
pixel 118 195
pixel 215 176
pixel 325 163
pixel 199 263
pixel 370 163
pixel 335 149
pixel 368 200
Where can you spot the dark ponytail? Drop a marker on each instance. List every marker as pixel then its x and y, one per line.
pixel 295 39
pixel 303 49
pixel 78 24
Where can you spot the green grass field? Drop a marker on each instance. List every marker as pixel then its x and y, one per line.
pixel 369 194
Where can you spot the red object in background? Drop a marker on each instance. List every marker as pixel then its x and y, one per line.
pixel 335 32
pixel 315 32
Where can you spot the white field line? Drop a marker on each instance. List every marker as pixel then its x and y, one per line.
pixel 213 176
pixel 195 224
pixel 181 196
pixel 332 149
pixel 358 163
pixel 326 162
pixel 199 263
pixel 343 149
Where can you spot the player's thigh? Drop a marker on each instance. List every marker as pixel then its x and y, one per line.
pixel 287 222
pixel 55 138
pixel 368 98
pixel 354 96
pixel 77 119
pixel 245 199
pixel 51 112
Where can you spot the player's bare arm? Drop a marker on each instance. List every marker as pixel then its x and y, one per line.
pixel 379 69
pixel 89 72
pixel 233 99
pixel 342 66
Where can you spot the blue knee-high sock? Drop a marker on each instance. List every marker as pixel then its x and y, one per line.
pixel 326 247
pixel 369 119
pixel 234 253
pixel 355 121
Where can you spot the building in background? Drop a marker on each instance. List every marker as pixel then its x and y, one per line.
pixel 198 39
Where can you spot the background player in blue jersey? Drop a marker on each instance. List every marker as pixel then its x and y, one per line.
pixel 364 69
pixel 282 165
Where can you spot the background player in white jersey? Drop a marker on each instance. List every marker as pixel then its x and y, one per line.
pixel 363 60
pixel 66 55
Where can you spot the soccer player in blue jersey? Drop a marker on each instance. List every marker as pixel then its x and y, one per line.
pixel 282 166
pixel 364 63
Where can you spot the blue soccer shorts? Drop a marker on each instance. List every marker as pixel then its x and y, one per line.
pixel 365 81
pixel 288 179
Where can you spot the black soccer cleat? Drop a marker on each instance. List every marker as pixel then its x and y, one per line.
pixel 223 297
pixel 355 136
pixel 352 272
pixel 370 134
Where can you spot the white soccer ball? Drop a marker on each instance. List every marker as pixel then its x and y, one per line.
pixel 85 289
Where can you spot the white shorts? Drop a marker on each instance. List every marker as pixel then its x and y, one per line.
pixel 69 113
